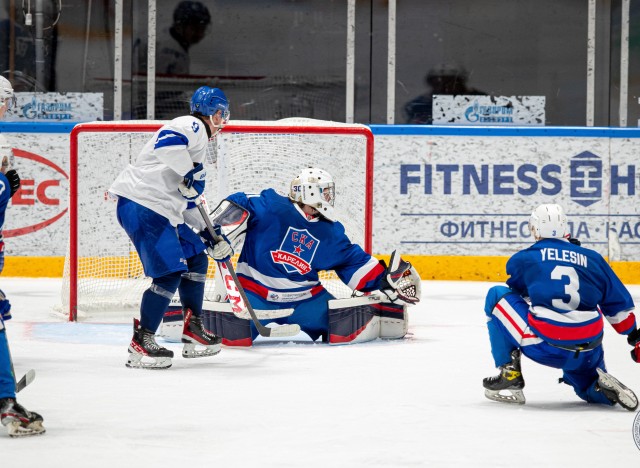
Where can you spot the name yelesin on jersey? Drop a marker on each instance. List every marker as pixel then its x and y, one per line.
pixel 564 256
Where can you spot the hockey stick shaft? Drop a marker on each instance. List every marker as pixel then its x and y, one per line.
pixel 26 378
pixel 283 330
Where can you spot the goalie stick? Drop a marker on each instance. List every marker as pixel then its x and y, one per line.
pixel 280 331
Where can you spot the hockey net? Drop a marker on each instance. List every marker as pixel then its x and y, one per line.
pixel 103 277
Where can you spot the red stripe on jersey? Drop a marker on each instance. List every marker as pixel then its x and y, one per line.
pixel 255 288
pixel 626 325
pixel 376 271
pixel 584 333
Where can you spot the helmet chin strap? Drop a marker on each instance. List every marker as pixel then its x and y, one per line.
pixel 218 128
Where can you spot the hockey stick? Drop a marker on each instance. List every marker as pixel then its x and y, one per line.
pixel 26 378
pixel 280 331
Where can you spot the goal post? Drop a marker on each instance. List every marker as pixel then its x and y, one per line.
pixel 103 276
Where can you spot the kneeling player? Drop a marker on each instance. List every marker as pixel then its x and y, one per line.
pixel 552 313
pixel 288 240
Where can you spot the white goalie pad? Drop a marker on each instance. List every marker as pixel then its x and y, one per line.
pixel 172 322
pixel 366 318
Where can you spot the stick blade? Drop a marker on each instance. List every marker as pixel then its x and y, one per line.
pixel 25 380
pixel 284 330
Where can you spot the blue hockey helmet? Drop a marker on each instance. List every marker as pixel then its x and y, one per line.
pixel 208 101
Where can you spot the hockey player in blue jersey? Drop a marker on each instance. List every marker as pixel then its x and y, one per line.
pixel 288 240
pixel 18 420
pixel 156 207
pixel 552 312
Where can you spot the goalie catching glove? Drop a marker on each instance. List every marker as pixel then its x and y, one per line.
pixel 220 251
pixel 401 281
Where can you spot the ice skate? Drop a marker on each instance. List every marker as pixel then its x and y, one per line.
pixel 194 334
pixel 144 352
pixel 615 391
pixel 509 381
pixel 19 421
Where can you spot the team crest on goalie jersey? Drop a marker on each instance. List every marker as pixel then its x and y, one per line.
pixel 296 251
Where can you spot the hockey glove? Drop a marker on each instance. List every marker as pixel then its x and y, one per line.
pixel 193 184
pixel 5 307
pixel 14 181
pixel 220 251
pixel 634 340
pixel 401 281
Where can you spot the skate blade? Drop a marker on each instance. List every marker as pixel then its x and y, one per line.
pixel 626 398
pixel 510 396
pixel 16 429
pixel 189 351
pixel 138 361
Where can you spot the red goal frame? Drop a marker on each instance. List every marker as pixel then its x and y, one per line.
pixel 105 127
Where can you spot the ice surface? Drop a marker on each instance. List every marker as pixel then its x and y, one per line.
pixel 415 402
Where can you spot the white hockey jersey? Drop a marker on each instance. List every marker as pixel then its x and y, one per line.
pixel 153 179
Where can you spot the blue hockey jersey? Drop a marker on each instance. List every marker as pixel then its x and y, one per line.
pixel 570 288
pixel 284 251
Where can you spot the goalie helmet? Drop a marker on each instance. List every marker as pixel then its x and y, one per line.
pixel 6 93
pixel 316 188
pixel 548 221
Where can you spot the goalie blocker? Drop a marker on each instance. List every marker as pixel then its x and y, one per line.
pixel 353 320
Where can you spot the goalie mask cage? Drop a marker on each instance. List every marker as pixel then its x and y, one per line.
pixel 103 277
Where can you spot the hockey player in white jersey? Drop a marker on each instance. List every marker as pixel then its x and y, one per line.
pixel 156 207
pixel 552 312
pixel 288 241
pixel 13 415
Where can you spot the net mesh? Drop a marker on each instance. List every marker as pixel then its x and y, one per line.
pixel 251 156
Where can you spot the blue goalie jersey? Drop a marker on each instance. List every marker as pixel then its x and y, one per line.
pixel 284 251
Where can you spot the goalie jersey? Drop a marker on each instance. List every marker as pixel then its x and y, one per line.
pixel 570 288
pixel 284 251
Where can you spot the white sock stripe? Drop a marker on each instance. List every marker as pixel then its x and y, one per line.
pixel 154 288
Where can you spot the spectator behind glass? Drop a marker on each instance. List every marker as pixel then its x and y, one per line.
pixel 18 50
pixel 443 79
pixel 190 23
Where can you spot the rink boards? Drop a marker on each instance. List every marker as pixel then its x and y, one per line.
pixel 455 200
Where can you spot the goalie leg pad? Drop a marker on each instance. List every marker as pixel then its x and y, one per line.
pixel 362 319
pixel 394 321
pixel 172 323
pixel 234 331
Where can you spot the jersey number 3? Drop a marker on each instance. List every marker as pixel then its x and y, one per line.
pixel 570 289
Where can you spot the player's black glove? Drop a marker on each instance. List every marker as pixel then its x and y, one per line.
pixel 575 241
pixel 14 180
pixel 634 340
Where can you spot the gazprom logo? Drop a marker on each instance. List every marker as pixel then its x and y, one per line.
pixel 586 178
